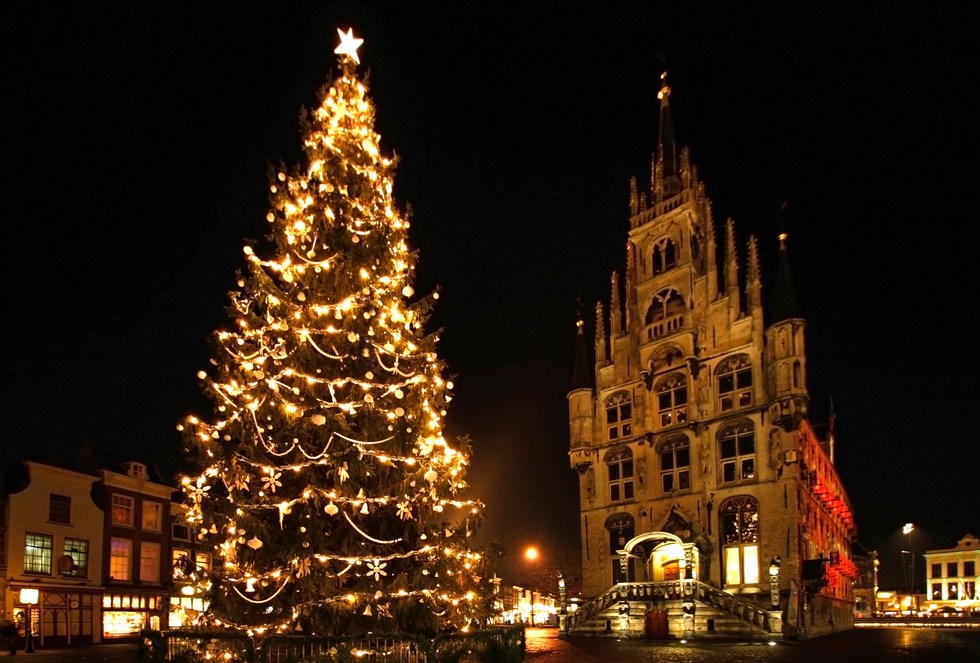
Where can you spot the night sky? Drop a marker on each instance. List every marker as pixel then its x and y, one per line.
pixel 136 139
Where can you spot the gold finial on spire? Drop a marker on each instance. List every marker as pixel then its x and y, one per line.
pixel 665 89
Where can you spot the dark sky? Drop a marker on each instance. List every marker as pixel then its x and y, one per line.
pixel 136 138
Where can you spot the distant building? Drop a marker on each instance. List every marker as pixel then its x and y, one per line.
pixel 705 489
pixel 951 576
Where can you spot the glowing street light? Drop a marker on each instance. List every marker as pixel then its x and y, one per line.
pixel 907 529
pixel 29 596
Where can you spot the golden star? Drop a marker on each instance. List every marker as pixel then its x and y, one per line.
pixel 348 44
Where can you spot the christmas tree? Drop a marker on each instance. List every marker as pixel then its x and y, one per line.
pixel 332 500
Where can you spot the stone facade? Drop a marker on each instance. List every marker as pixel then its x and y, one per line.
pixel 690 432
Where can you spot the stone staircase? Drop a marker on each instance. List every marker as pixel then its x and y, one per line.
pixel 623 611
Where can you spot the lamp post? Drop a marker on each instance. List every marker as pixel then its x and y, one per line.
pixel 776 615
pixel 562 607
pixel 28 596
pixel 774 581
pixel 908 528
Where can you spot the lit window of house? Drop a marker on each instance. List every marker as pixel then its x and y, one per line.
pixel 672 399
pixel 619 464
pixel 740 540
pixel 120 558
pixel 737 452
pixel 149 562
pixel 734 382
pixel 675 464
pixel 122 510
pixel 619 415
pixel 77 551
pixel 37 553
pixel 152 516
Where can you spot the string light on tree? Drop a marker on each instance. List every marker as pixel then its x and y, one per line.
pixel 332 500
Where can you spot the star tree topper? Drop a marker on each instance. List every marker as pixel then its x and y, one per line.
pixel 348 44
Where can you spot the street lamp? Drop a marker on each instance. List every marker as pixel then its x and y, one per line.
pixel 908 528
pixel 28 596
pixel 774 581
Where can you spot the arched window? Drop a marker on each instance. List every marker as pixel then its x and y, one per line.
pixel 737 452
pixel 619 415
pixel 664 304
pixel 672 399
pixel 621 529
pixel 619 466
pixel 675 464
pixel 734 382
pixel 740 541
pixel 664 256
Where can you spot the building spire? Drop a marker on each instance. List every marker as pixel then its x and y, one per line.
pixel 784 298
pixel 581 371
pixel 666 167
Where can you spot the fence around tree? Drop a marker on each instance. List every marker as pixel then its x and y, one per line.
pixel 489 645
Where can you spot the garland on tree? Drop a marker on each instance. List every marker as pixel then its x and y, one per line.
pixel 326 488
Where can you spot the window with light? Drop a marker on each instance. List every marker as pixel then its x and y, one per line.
pixel 672 399
pixel 38 553
pixel 120 558
pixel 152 516
pixel 619 415
pixel 740 540
pixel 122 510
pixel 77 549
pixel 619 465
pixel 675 464
pixel 734 377
pixel 149 562
pixel 737 452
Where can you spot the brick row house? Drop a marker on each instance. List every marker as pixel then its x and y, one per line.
pixel 107 552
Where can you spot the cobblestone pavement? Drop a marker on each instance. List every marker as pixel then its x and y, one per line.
pixel 867 645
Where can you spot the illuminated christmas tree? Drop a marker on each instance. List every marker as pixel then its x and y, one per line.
pixel 332 500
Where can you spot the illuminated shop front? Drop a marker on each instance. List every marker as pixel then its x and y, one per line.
pixel 60 617
pixel 124 615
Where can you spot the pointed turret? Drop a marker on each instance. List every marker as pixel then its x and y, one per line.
pixel 666 171
pixel 582 372
pixel 786 344
pixel 783 305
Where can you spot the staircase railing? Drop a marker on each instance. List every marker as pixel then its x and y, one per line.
pixel 719 599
